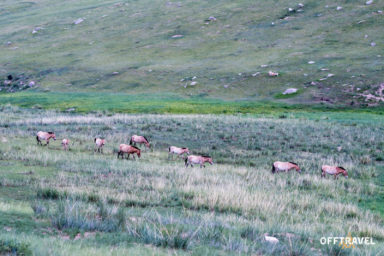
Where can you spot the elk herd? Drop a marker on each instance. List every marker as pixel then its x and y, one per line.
pixel 131 149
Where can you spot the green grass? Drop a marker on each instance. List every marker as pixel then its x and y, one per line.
pixel 78 202
pixel 134 38
pixel 163 103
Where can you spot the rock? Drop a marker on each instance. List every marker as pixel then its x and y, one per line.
pixel 7 82
pixel 300 5
pixel 240 74
pixel 339 8
pixel 291 9
pixel 263 66
pixel 339 148
pixel 193 83
pixel 330 75
pixel 78 21
pixel 70 109
pixel 271 239
pixel 324 69
pixel 211 18
pixel 365 36
pixel 3 139
pixel 311 62
pixel 115 73
pixel 271 73
pixel 177 36
pixel 193 78
pixel 313 83
pixel 32 83
pixel 226 86
pixel 290 91
pixel 256 74
pixel 373 44
pixel 369 2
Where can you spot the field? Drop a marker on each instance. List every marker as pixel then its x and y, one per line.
pixel 129 47
pixel 80 202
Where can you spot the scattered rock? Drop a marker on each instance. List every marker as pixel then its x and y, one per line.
pixel 78 21
pixel 193 78
pixel 271 73
pixel 324 69
pixel 290 91
pixel 313 83
pixel 300 5
pixel 330 75
pixel 31 83
pixel 226 86
pixel 77 237
pixel 311 62
pixel 271 239
pixel 115 73
pixel 8 229
pixel 339 8
pixel 291 9
pixel 263 66
pixel 3 139
pixel 256 74
pixel 70 109
pixel 193 83
pixel 212 18
pixel 339 148
pixel 369 2
pixel 177 36
pixel 365 36
pixel 373 44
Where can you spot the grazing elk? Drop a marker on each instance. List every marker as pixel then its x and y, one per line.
pixel 178 151
pixel 139 139
pixel 99 144
pixel 130 150
pixel 191 160
pixel 284 167
pixel 65 143
pixel 333 170
pixel 44 136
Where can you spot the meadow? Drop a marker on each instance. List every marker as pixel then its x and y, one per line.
pixel 127 46
pixel 80 202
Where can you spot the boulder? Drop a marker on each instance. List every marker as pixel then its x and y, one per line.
pixel 290 91
pixel 271 239
pixel 78 21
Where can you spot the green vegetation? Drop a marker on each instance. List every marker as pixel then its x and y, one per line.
pixel 164 103
pixel 127 47
pixel 79 202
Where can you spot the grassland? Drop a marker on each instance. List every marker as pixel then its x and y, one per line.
pixel 79 202
pixel 127 47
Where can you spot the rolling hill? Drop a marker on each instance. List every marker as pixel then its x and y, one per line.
pixel 331 52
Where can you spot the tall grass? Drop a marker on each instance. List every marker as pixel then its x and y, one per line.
pixel 228 207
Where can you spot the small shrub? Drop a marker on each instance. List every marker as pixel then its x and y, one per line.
pixel 13 247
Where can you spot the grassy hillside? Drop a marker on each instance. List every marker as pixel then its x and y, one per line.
pixel 128 46
pixel 80 203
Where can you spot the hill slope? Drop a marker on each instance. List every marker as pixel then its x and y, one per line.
pixel 159 46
